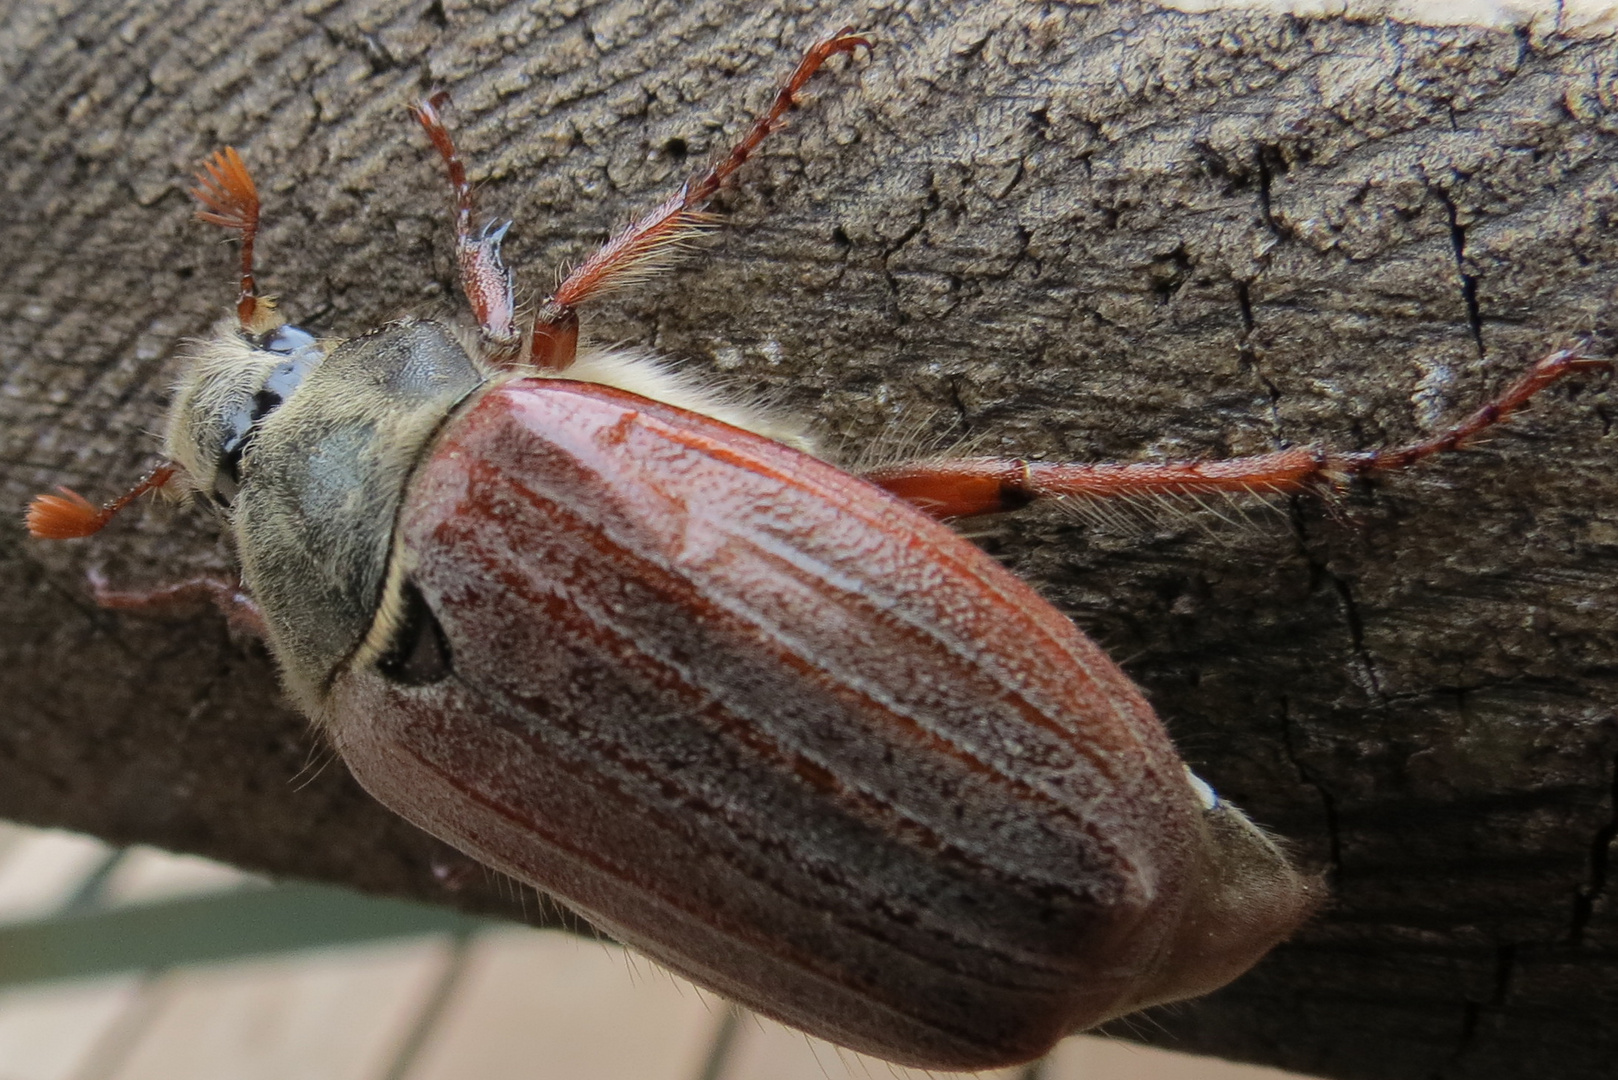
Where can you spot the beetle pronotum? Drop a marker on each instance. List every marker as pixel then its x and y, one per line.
pixel 769 722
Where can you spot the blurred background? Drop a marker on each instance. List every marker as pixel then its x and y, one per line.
pixel 135 964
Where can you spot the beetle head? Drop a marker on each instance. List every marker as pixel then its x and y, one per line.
pixel 236 379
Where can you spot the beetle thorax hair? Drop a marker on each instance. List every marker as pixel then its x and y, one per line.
pixel 643 373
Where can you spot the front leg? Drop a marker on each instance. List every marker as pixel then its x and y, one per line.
pixel 185 598
pixel 484 277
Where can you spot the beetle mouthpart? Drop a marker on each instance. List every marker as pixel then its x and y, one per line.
pixel 419 654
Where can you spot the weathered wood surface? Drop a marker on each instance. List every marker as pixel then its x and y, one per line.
pixel 1081 231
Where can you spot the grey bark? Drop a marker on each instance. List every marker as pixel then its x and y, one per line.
pixel 1079 231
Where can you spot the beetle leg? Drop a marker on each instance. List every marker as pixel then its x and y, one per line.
pixel 1547 370
pixel 641 247
pixel 183 598
pixel 965 487
pixel 484 277
pixel 969 486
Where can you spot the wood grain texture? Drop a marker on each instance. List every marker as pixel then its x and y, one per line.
pixel 1084 231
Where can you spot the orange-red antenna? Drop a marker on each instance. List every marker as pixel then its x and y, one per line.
pixel 69 515
pixel 225 190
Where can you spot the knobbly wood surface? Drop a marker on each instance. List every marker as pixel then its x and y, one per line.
pixel 1079 231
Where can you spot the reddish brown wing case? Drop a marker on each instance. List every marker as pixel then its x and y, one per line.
pixel 774 728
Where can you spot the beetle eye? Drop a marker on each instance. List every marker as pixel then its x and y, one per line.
pixel 239 426
pixel 419 654
pixel 287 340
pixel 302 355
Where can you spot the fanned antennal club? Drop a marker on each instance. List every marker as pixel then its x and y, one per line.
pixel 69 515
pixel 229 199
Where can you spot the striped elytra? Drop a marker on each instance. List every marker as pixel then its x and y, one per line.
pixel 787 735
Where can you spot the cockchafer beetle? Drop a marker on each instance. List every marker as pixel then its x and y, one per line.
pixel 770 723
